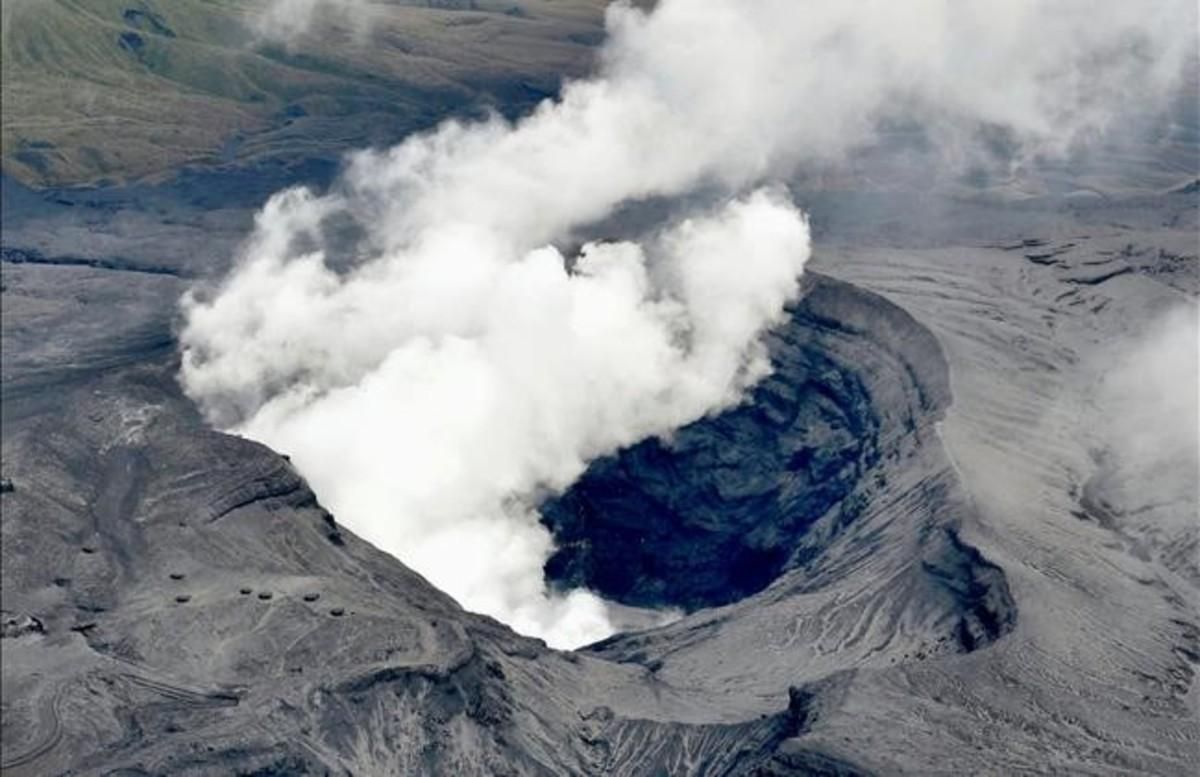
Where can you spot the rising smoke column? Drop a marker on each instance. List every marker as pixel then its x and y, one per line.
pixel 456 382
pixel 455 368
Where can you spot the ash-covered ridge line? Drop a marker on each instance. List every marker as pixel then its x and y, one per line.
pixel 11 255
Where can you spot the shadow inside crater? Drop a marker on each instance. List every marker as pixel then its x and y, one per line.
pixel 725 506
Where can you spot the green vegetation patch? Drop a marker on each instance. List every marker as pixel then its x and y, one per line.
pixel 131 90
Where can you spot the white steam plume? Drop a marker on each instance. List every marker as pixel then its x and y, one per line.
pixel 437 383
pixel 286 21
pixel 430 397
pixel 1150 397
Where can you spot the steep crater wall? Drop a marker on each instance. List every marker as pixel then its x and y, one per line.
pixel 717 512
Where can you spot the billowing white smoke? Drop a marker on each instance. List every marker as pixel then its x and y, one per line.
pixel 440 381
pixel 433 394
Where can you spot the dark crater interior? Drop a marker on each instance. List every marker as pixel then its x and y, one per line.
pixel 719 511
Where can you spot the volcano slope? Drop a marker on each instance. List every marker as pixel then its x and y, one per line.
pixel 122 90
pixel 953 576
pixel 934 541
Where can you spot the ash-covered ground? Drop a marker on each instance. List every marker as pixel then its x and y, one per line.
pixel 981 583
pixel 955 531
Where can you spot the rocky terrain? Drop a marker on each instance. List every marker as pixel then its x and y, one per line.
pixel 924 544
pixel 176 599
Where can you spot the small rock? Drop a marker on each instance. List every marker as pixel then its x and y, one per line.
pixel 245 591
pixel 6 486
pixel 337 612
pixel 311 597
pixel 176 575
pixel 334 534
pixel 20 624
pixel 265 595
pixel 183 598
pixel 87 549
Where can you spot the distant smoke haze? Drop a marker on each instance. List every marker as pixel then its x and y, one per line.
pixel 286 21
pixel 1150 395
pixel 438 378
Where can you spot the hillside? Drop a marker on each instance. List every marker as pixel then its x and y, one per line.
pixel 124 90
